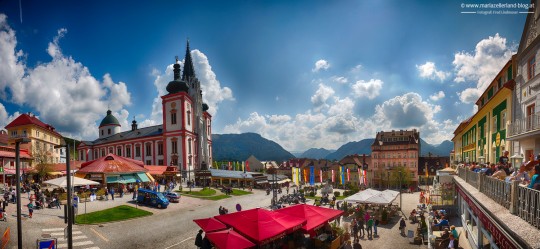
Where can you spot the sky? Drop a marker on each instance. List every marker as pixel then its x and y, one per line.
pixel 305 74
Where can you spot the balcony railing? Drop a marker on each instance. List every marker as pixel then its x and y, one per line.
pixel 521 201
pixel 524 125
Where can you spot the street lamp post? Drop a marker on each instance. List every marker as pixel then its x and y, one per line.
pixel 400 179
pixel 18 142
pixel 69 197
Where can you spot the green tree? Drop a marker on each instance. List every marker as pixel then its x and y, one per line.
pixel 42 157
pixel 400 174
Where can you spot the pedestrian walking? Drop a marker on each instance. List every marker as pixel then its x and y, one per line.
pixel 106 193
pixel 369 225
pixel 112 194
pixel 402 226
pixel 199 239
pixel 30 209
pixel 361 227
pixel 354 226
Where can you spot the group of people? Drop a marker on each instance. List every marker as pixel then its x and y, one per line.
pixel 223 210
pixel 362 226
pixel 503 170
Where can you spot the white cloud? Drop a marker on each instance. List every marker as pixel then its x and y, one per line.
pixel 489 56
pixel 213 93
pixel 321 65
pixel 62 91
pixel 429 71
pixel 321 95
pixel 369 89
pixel 437 96
pixel 339 79
pixel 356 69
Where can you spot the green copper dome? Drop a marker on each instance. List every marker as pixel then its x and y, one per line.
pixel 109 120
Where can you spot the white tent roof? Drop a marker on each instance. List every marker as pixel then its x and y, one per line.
pixel 373 196
pixel 77 181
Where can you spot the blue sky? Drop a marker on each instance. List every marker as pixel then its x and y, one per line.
pixel 302 73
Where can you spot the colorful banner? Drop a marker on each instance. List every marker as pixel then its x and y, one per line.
pixel 342 172
pixel 294 175
pixel 333 176
pixel 230 166
pixel 341 175
pixel 348 175
pixel 311 175
pixel 360 176
pixel 247 166
pixel 320 175
pixel 305 175
pixel 243 166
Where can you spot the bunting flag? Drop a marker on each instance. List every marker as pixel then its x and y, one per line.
pixel 348 175
pixel 311 175
pixel 333 176
pixel 342 172
pixel 243 166
pixel 230 167
pixel 320 175
pixel 340 175
pixel 247 166
pixel 299 175
pixel 365 177
pixel 360 176
pixel 294 176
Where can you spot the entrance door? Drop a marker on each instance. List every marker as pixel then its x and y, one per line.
pixel 530 116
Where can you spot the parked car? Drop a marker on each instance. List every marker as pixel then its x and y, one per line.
pixel 172 196
pixel 152 198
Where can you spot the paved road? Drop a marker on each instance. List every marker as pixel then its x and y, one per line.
pixel 169 228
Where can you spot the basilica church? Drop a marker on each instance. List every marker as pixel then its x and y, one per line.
pixel 183 140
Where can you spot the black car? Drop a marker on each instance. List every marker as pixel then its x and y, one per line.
pixel 172 196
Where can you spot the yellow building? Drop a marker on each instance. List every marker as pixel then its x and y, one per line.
pixel 482 137
pixel 43 139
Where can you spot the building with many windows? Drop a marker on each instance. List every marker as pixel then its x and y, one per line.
pixel 183 140
pixel 43 138
pixel 392 151
pixel 483 136
pixel 524 130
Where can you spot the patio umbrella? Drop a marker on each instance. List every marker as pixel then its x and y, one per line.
pixel 229 239
pixel 260 225
pixel 77 181
pixel 315 216
pixel 210 224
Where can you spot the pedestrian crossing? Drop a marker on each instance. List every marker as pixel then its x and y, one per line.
pixel 79 239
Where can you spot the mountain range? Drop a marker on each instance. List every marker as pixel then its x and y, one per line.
pixel 238 147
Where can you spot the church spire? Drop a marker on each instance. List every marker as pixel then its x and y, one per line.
pixel 189 72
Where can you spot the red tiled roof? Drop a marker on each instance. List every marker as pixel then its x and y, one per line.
pixel 62 166
pixel 11 154
pixel 25 119
pixel 112 164
pixel 160 170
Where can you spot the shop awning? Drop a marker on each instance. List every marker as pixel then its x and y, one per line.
pixel 128 178
pixel 150 177
pixel 143 177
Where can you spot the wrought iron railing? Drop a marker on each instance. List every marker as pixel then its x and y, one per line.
pixel 498 190
pixel 528 201
pixel 527 124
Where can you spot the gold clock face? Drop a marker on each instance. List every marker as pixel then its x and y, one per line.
pixel 173 104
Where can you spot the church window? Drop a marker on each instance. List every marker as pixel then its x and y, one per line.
pixel 119 151
pixel 160 162
pixel 174 146
pixel 148 162
pixel 95 154
pixel 160 149
pixel 102 132
pixel 189 146
pixel 148 149
pixel 102 152
pixel 188 117
pixel 110 150
pixel 137 150
pixel 173 117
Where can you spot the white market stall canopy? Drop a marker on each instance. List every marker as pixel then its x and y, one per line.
pixel 373 196
pixel 76 181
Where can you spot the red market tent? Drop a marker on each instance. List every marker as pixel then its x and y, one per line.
pixel 260 225
pixel 315 216
pixel 210 224
pixel 229 239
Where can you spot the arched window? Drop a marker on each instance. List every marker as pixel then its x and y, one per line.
pixel 189 146
pixel 173 116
